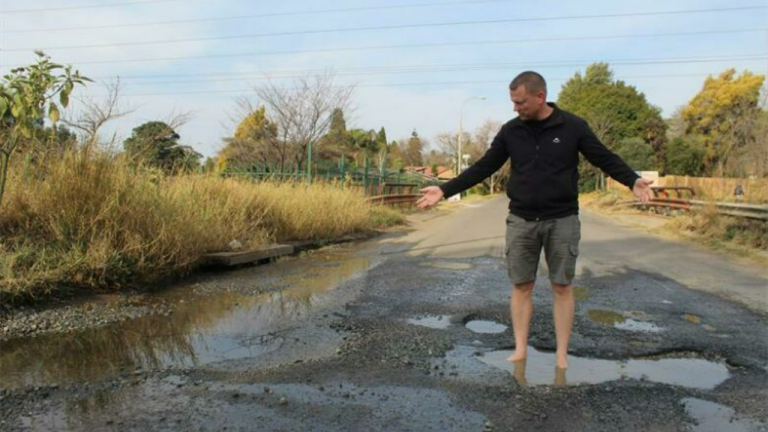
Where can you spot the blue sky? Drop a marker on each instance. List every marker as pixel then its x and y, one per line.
pixel 669 67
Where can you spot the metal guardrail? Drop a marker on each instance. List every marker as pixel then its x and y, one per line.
pixel 661 201
pixel 395 194
pixel 749 211
pixel 395 199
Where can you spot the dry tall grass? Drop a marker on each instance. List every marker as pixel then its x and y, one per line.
pixel 91 220
pixel 717 228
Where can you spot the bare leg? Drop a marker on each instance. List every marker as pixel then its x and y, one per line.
pixel 563 310
pixel 521 308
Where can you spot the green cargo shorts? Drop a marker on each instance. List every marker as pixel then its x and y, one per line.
pixel 560 240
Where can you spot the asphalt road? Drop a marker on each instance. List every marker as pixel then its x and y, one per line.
pixel 408 332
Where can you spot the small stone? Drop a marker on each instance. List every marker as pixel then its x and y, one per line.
pixel 283 401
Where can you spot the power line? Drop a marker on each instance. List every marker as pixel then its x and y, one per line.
pixel 264 15
pixel 461 67
pixel 411 84
pixel 93 6
pixel 418 45
pixel 393 27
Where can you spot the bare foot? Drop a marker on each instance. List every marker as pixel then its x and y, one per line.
pixel 519 372
pixel 517 356
pixel 560 380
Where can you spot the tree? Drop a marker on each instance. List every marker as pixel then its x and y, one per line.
pixel 383 148
pixel 336 142
pixel 255 141
pixel 655 135
pixel 95 113
pixel 637 153
pixel 484 136
pixel 438 158
pixel 302 113
pixel 684 156
pixel 724 113
pixel 26 95
pixel 613 109
pixel 362 143
pixel 395 156
pixel 156 144
pixel 412 150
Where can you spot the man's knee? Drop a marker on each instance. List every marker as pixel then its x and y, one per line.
pixel 526 287
pixel 561 290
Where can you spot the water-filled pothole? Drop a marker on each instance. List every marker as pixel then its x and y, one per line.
pixel 539 369
pixel 439 322
pixel 486 327
pixel 580 292
pixel 620 321
pixel 202 329
pixel 713 417
pixel 447 265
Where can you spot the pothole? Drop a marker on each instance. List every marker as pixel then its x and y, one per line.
pixel 713 417
pixel 486 327
pixel 439 322
pixel 447 265
pixel 618 320
pixel 539 369
pixel 580 292
pixel 203 329
pixel 693 319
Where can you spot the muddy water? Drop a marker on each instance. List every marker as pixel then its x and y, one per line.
pixel 447 265
pixel 620 321
pixel 539 369
pixel 713 417
pixel 486 327
pixel 203 328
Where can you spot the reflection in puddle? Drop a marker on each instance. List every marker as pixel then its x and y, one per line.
pixel 712 417
pixel 490 327
pixel 632 325
pixel 447 265
pixel 202 329
pixel 580 292
pixel 540 370
pixel 617 320
pixel 439 322
pixel 693 319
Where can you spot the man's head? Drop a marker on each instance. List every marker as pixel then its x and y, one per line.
pixel 528 92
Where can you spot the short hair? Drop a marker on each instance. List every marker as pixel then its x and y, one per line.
pixel 532 81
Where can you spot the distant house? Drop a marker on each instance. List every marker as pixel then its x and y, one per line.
pixel 443 173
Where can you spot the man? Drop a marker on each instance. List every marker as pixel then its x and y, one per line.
pixel 543 143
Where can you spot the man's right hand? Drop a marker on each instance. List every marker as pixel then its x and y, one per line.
pixel 431 195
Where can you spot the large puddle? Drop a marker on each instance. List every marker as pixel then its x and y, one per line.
pixel 713 417
pixel 539 369
pixel 202 329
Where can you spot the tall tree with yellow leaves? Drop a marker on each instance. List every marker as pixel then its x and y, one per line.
pixel 724 114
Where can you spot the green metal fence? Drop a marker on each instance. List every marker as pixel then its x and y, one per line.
pixel 367 177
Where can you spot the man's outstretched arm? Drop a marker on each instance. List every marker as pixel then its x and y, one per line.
pixel 600 156
pixel 492 160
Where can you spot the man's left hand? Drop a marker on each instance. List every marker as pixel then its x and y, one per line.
pixel 642 190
